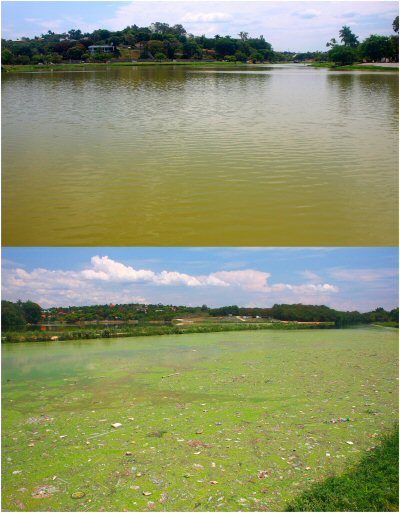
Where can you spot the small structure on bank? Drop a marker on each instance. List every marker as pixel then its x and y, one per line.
pixel 101 49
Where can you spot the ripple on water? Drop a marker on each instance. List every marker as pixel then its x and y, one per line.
pixel 157 156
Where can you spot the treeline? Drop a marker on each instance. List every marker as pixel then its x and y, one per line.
pixel 13 313
pixel 160 41
pixel 311 313
pixel 21 314
pixel 373 48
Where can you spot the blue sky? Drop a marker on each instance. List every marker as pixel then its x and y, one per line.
pixel 295 26
pixel 343 278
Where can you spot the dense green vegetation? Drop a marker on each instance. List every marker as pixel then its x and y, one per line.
pixel 311 313
pixel 17 315
pixel 112 320
pixel 372 485
pixel 144 330
pixel 157 42
pixel 160 42
pixel 373 48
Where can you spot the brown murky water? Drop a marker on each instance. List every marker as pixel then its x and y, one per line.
pixel 280 155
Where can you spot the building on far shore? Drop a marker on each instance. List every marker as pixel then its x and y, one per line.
pixel 101 48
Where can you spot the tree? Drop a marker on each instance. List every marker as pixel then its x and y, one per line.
pixel 163 28
pixel 342 55
pixel 225 46
pixel 76 51
pixel 170 46
pixel 347 37
pixel 257 56
pixel 395 25
pixel 332 43
pixel 156 36
pixel 160 56
pixel 75 34
pixel 143 35
pixel 32 312
pixel 155 46
pixel 394 40
pixel 191 49
pixel 259 43
pixel 178 30
pixel 22 59
pixel 55 58
pixel 11 315
pixel 7 56
pixel 376 47
pixel 240 56
pixel 244 36
pixel 100 35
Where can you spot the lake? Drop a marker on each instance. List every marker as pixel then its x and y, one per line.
pixel 200 416
pixel 186 155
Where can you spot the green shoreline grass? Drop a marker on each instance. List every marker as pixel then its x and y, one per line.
pixel 148 330
pixel 388 324
pixel 354 67
pixel 29 68
pixel 371 485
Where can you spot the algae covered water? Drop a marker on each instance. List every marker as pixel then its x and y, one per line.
pixel 223 421
pixel 194 155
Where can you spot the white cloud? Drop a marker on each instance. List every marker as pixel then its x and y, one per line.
pixel 107 280
pixel 363 275
pixel 307 13
pixel 315 22
pixel 53 25
pixel 61 288
pixel 247 279
pixel 207 17
pixel 104 268
pixel 311 276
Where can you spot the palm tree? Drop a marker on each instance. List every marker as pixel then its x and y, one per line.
pixel 347 37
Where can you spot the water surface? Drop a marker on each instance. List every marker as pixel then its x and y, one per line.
pixel 256 155
pixel 193 409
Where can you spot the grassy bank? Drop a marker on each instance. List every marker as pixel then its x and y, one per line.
pixel 372 485
pixel 29 68
pixel 353 67
pixel 149 330
pixel 388 324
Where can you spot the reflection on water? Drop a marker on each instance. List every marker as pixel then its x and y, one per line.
pixel 200 156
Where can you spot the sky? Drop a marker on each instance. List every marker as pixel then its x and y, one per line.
pixel 343 278
pixel 292 26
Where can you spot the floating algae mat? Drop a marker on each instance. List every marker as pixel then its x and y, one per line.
pixel 216 422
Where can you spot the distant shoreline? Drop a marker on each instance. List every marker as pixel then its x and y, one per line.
pixel 149 330
pixel 36 68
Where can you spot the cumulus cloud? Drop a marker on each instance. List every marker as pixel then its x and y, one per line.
pixel 104 268
pixel 247 279
pixel 106 280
